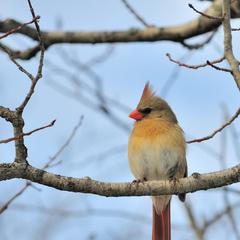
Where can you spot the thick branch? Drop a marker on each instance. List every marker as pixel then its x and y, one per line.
pixel 86 185
pixel 19 27
pixel 177 34
pixel 228 50
pixel 7 114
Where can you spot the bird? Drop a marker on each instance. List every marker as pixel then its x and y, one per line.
pixel 157 151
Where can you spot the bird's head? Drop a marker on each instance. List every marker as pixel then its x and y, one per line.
pixel 151 106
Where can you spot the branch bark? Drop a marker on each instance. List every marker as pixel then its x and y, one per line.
pixel 178 33
pixel 228 49
pixel 193 183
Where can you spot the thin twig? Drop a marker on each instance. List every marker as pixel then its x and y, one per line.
pixel 219 68
pixel 63 147
pixel 133 11
pixel 193 221
pixel 26 134
pixel 208 223
pixel 6 204
pixel 173 77
pixel 20 67
pixel 101 58
pixel 226 199
pixel 193 66
pixel 204 14
pixel 40 64
pixel 102 104
pixel 235 29
pixel 199 45
pixel 19 27
pixel 216 131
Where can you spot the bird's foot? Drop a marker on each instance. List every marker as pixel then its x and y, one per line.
pixel 174 180
pixel 137 181
pixel 196 175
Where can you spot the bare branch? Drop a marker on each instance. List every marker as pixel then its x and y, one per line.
pixel 80 87
pixel 17 119
pixel 7 114
pixel 216 217
pixel 19 27
pixel 199 45
pixel 47 165
pixel 179 33
pixel 86 185
pixel 173 77
pixel 219 68
pixel 228 51
pixel 40 65
pixel 137 16
pixel 204 14
pixel 24 55
pixel 20 67
pixel 6 205
pixel 222 159
pixel 194 225
pixel 216 131
pixel 26 134
pixel 194 66
pixel 65 144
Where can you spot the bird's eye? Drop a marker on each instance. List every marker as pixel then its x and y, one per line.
pixel 146 110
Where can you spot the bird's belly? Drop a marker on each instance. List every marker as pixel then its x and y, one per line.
pixel 154 162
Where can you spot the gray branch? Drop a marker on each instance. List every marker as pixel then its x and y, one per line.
pixel 228 49
pixel 179 33
pixel 193 183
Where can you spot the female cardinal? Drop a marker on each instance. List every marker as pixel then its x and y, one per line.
pixel 156 151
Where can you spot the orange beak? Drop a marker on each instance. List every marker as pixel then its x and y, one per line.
pixel 136 115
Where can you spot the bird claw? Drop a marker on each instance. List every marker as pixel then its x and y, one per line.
pixel 137 181
pixel 174 180
pixel 196 175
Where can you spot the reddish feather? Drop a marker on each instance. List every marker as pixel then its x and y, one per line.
pixel 161 224
pixel 147 91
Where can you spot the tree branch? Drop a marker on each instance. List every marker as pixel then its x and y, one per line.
pixel 204 14
pixel 86 185
pixel 5 206
pixel 179 33
pixel 48 164
pixel 181 64
pixel 19 27
pixel 229 122
pixel 27 133
pixel 228 50
pixel 135 14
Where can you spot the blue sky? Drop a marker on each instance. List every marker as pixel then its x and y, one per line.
pixel 196 97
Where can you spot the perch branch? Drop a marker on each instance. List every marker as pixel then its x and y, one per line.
pixel 86 185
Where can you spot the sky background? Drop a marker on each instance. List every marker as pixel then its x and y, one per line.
pixel 99 150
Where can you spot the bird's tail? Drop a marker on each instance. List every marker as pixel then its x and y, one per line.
pixel 161 226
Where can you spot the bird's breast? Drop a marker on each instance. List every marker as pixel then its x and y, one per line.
pixel 156 150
